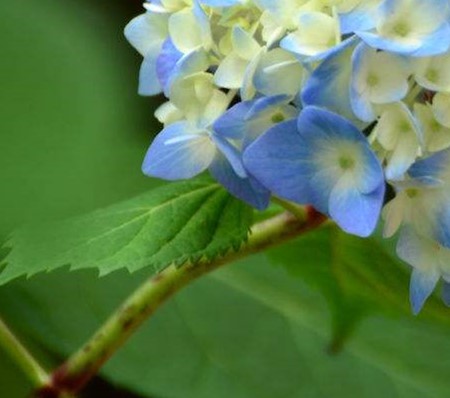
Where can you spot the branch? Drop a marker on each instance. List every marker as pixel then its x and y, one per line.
pixel 85 363
pixel 22 358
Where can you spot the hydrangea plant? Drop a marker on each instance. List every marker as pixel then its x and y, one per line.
pixel 303 113
pixel 319 102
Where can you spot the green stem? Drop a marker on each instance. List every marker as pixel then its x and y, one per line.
pixel 22 358
pixel 85 363
pixel 298 211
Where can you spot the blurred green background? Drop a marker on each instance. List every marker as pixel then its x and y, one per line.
pixel 326 316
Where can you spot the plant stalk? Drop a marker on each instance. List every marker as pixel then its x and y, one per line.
pixel 22 357
pixel 84 364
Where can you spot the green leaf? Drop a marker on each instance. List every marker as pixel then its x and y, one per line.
pixel 250 330
pixel 356 276
pixel 173 224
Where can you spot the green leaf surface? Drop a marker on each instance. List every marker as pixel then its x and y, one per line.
pixel 12 383
pixel 173 224
pixel 252 330
pixel 356 276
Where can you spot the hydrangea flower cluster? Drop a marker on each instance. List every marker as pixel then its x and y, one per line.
pixel 321 102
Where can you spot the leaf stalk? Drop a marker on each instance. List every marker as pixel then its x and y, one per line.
pixel 29 366
pixel 84 364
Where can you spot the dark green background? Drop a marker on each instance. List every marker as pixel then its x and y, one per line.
pixel 331 318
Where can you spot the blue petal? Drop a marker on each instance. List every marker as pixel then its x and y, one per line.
pixel 433 43
pixel 178 152
pixel 319 187
pixel 360 104
pixel 442 232
pixel 264 103
pixel 319 127
pixel 148 78
pixel 318 124
pixel 232 154
pixel 275 159
pixel 235 123
pixel 354 212
pixel 437 43
pixel 247 189
pixel 359 19
pixel 372 176
pixel 322 130
pixel 446 293
pixel 232 124
pixel 431 167
pixel 193 62
pixel 381 43
pixel 414 249
pixel 421 287
pixel 328 86
pixel 166 61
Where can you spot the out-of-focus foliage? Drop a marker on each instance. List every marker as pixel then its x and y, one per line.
pixel 72 138
pixel 358 278
pixel 250 330
pixel 13 384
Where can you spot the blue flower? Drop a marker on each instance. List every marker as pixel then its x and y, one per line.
pixel 329 84
pixel 435 168
pixel 421 209
pixel 249 119
pixel 243 123
pixel 237 73
pixel 324 160
pixel 360 17
pixel 138 32
pixel 430 262
pixel 166 62
pixel 187 148
pixel 180 151
pixel 377 78
pixel 183 150
pixel 412 27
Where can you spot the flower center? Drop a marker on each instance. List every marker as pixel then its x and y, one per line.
pixel 372 80
pixel 277 117
pixel 346 162
pixel 402 29
pixel 404 126
pixel 432 75
pixel 412 192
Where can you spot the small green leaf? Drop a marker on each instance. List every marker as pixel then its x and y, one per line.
pixel 174 224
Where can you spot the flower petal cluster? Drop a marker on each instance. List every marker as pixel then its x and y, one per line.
pixel 321 102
